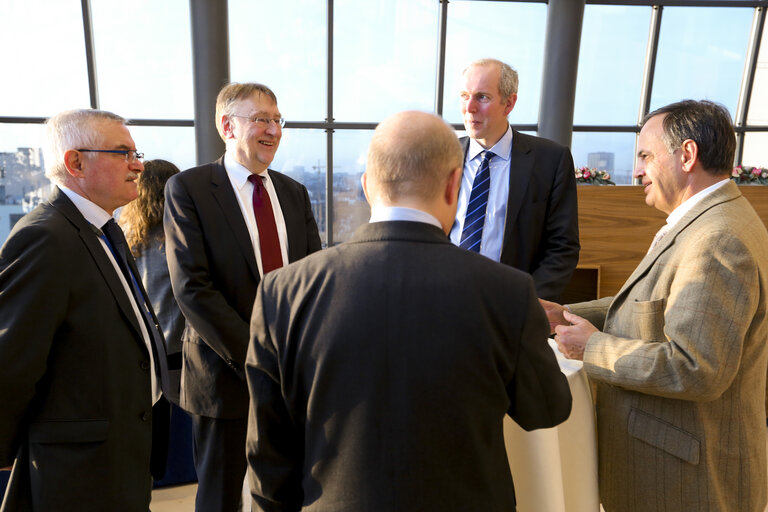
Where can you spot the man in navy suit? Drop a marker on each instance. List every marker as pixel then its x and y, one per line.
pixel 530 216
pixel 219 245
pixel 80 368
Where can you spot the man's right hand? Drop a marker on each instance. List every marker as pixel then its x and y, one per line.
pixel 554 314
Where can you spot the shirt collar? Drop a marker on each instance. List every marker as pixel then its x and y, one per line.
pixel 389 213
pixel 502 149
pixel 237 172
pixel 692 201
pixel 92 212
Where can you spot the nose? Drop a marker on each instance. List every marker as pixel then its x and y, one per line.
pixel 273 128
pixel 638 173
pixel 137 165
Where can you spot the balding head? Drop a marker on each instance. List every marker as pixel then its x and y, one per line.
pixel 411 156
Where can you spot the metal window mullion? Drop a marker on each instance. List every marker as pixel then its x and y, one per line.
pixel 329 135
pixel 441 41
pixel 90 53
pixel 745 92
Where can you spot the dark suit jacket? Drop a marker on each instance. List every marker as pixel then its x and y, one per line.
pixel 541 230
pixel 380 371
pixel 75 390
pixel 214 276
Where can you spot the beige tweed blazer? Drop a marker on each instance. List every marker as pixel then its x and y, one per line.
pixel 680 367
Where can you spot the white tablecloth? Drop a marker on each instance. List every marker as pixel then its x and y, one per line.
pixel 555 469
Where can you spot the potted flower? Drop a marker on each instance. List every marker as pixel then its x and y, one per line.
pixel 587 176
pixel 745 175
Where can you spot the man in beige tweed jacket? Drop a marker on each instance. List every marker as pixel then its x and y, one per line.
pixel 679 355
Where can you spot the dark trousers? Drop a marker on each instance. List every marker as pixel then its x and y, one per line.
pixel 219 453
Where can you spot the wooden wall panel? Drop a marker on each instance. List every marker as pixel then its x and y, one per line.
pixel 616 228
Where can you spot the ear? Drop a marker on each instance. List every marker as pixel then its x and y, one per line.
pixel 451 192
pixel 510 103
pixel 364 183
pixel 227 127
pixel 689 154
pixel 74 163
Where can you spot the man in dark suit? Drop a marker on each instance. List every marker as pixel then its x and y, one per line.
pixel 526 215
pixel 227 223
pixel 80 365
pixel 380 370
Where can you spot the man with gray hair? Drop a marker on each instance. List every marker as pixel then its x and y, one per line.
pixel 517 202
pixel 227 223
pixel 81 358
pixel 679 355
pixel 380 370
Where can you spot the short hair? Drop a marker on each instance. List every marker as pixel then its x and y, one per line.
pixel 233 92
pixel 411 154
pixel 73 129
pixel 508 79
pixel 706 123
pixel 145 212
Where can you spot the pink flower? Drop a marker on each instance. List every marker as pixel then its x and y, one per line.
pixel 587 174
pixel 756 171
pixel 606 176
pixel 736 171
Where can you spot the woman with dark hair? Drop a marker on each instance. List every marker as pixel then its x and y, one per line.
pixel 142 221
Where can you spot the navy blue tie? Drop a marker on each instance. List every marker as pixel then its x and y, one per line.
pixel 472 234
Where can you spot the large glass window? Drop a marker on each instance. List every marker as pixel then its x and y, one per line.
pixel 175 144
pixel 611 58
pixel 43 60
pixel 350 157
pixel 756 149
pixel 144 58
pixel 612 152
pixel 509 31
pixel 701 54
pixel 758 106
pixel 282 45
pixel 385 58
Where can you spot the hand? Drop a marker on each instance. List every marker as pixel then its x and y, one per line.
pixel 6 469
pixel 571 339
pixel 554 314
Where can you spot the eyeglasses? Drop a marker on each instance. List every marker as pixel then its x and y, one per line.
pixel 263 121
pixel 131 155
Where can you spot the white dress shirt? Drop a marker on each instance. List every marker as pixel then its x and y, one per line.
pixel 238 177
pixel 496 213
pixel 388 213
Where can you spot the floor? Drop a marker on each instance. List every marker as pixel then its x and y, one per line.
pixel 174 499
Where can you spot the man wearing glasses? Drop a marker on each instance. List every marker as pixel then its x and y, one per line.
pixel 82 362
pixel 227 223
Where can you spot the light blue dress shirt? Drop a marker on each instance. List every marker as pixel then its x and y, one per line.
pixel 495 215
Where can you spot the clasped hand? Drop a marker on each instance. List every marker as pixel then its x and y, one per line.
pixel 571 331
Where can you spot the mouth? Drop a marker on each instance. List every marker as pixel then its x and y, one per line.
pixel 267 143
pixel 132 177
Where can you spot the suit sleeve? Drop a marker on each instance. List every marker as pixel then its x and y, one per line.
pixel 539 392
pixel 688 345
pixel 203 305
pixel 560 251
pixel 33 301
pixel 313 236
pixel 273 445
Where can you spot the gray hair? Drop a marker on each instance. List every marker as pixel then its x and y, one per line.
pixel 72 129
pixel 508 79
pixel 706 123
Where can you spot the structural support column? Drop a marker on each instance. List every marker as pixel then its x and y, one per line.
pixel 561 61
pixel 210 63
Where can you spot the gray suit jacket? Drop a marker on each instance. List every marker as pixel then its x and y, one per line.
pixel 681 367
pixel 75 390
pixel 380 371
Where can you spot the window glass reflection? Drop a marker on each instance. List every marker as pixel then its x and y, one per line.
pixel 43 54
pixel 175 144
pixel 385 57
pixel 518 40
pixel 755 150
pixel 286 52
pixel 606 151
pixel 302 156
pixel 613 42
pixel 758 104
pixel 350 209
pixel 701 54
pixel 146 73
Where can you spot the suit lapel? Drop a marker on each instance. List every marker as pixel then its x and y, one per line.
pixel 727 192
pixel 90 238
pixel 230 208
pixel 520 171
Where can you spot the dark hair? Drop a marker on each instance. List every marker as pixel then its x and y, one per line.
pixel 146 211
pixel 706 123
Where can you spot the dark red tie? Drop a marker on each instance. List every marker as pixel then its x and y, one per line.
pixel 269 243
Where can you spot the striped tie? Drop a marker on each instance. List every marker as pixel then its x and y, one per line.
pixel 472 234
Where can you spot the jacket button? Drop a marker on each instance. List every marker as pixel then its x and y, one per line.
pixel 146 416
pixel 145 365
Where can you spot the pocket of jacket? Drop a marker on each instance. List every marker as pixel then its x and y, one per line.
pixel 664 436
pixel 69 431
pixel 648 317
